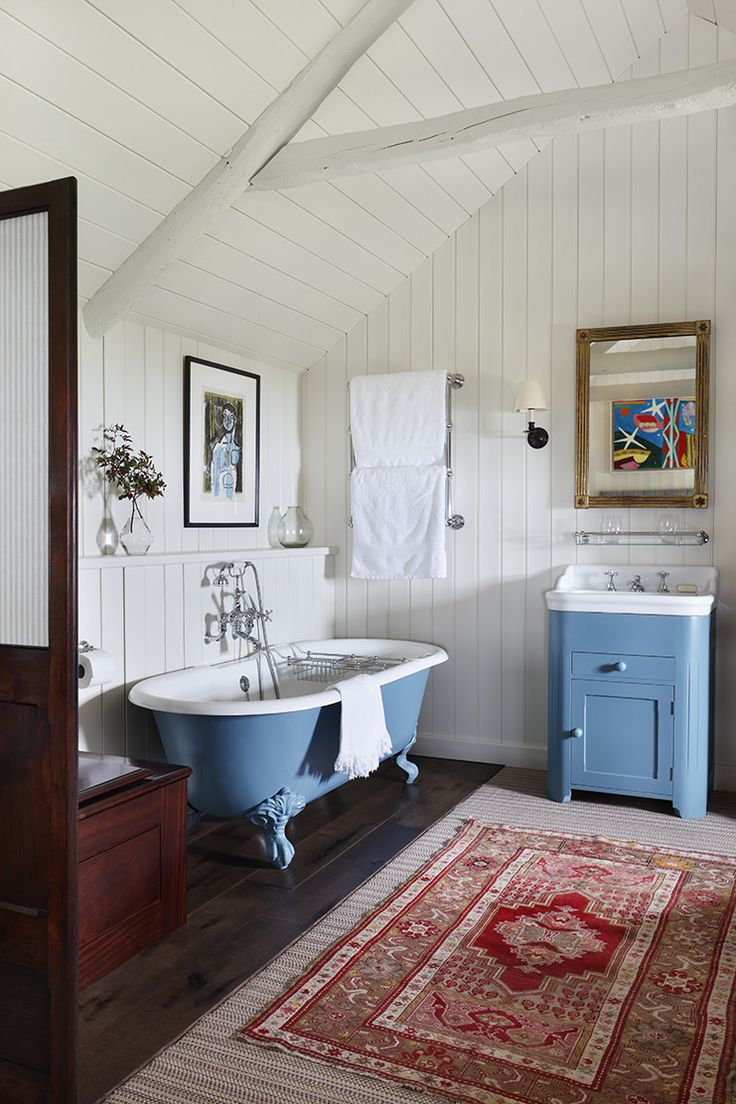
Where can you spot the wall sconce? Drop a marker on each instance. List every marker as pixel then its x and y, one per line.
pixel 530 397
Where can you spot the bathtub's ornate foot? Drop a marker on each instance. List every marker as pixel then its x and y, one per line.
pixel 273 815
pixel 412 770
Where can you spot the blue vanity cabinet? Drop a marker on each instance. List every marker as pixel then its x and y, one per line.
pixel 622 737
pixel 629 706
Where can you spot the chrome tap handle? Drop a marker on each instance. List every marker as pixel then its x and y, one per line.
pixel 236 571
pixel 216 637
pixel 611 575
pixel 266 615
pixel 663 588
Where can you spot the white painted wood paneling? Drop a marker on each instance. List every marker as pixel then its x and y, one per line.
pixel 138 101
pixel 134 375
pixel 289 290
pixel 95 41
pixel 150 613
pixel 152 617
pixel 216 191
pixel 628 225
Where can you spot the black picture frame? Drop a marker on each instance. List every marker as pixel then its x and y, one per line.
pixel 222 445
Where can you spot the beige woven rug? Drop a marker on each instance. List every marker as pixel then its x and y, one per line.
pixel 211 1065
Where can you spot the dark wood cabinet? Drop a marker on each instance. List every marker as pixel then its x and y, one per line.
pixel 132 858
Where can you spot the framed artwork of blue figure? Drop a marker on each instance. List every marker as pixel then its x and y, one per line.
pixel 222 454
pixel 221 444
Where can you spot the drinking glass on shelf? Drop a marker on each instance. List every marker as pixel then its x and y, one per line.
pixel 667 526
pixel 612 526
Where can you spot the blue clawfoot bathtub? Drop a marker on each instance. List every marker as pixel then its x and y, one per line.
pixel 265 758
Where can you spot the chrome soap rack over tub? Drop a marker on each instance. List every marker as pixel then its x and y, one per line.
pixel 331 666
pixel 455 381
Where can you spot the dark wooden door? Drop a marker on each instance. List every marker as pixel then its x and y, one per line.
pixel 38 656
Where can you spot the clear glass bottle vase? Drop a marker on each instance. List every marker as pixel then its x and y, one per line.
pixel 295 528
pixel 135 536
pixel 272 532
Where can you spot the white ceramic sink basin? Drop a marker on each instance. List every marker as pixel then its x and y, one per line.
pixel 582 588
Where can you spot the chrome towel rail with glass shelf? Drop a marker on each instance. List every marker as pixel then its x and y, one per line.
pixel 644 536
pixel 455 381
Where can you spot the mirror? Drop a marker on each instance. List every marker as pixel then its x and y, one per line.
pixel 642 415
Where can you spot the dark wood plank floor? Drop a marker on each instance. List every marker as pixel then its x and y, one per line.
pixel 242 912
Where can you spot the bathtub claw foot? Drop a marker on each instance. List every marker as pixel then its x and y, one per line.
pixel 411 769
pixel 273 815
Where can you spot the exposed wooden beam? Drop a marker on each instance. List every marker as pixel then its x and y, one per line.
pixel 227 181
pixel 721 12
pixel 541 116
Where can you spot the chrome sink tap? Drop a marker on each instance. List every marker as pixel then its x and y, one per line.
pixel 636 585
pixel 663 588
pixel 611 575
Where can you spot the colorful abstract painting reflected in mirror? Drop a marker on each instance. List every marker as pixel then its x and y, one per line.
pixel 653 433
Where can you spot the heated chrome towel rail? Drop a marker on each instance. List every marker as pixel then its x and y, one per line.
pixel 453 521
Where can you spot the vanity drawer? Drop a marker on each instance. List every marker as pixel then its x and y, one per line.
pixel 615 665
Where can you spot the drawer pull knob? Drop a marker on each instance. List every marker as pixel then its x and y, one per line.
pixel 620 666
pixel 577 733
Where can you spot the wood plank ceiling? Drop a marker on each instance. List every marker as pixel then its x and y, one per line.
pixel 721 12
pixel 139 100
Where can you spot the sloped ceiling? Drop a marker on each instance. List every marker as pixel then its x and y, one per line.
pixel 139 100
pixel 721 12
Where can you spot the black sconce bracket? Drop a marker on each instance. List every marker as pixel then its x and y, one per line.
pixel 536 436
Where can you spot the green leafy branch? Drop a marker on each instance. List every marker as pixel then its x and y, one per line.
pixel 132 472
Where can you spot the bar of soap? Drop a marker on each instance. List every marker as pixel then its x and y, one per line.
pixel 687 588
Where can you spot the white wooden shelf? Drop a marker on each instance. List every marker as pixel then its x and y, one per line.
pixel 87 563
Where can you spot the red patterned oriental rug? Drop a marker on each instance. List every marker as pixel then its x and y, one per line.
pixel 537 967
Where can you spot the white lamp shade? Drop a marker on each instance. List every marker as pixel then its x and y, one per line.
pixel 530 396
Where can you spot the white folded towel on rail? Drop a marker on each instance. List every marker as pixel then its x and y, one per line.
pixel 399 522
pixel 399 418
pixel 364 738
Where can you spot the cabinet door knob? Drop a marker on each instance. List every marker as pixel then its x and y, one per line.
pixel 577 733
pixel 620 666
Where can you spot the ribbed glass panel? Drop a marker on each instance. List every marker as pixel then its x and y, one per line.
pixel 24 551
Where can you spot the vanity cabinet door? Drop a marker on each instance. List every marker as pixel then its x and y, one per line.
pixel 621 737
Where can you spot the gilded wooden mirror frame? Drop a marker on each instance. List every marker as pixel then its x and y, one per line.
pixel 698 498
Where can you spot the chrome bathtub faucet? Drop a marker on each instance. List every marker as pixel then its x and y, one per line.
pixel 636 585
pixel 611 575
pixel 663 588
pixel 245 614
pixel 247 618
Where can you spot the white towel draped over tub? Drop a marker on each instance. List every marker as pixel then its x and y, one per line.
pixel 398 419
pixel 364 738
pixel 399 523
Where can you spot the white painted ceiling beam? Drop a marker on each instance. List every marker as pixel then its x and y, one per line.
pixel 722 12
pixel 463 132
pixel 227 181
